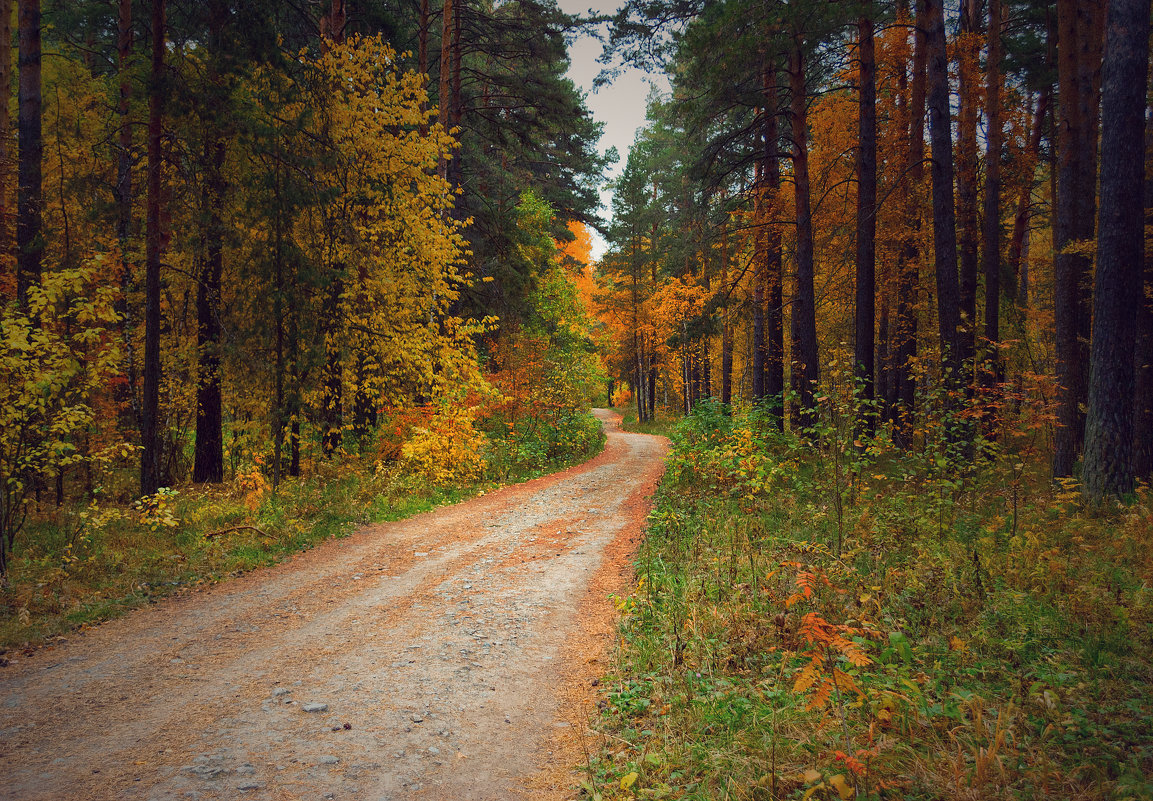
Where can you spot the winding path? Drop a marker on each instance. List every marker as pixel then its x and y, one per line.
pixel 446 657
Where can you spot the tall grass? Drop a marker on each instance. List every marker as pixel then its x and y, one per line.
pixel 892 626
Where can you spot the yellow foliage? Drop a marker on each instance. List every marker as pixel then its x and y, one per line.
pixel 448 450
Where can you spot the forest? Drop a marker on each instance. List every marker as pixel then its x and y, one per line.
pixel 256 253
pixel 887 264
pixel 878 269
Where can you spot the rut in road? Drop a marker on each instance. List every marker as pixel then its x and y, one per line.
pixel 436 655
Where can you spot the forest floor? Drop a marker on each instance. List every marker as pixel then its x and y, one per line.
pixel 447 656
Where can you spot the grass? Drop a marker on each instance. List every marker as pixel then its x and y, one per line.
pixel 663 425
pixel 975 635
pixel 80 564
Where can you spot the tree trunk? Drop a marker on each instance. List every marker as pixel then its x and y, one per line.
pixel 422 55
pixel 760 267
pixel 150 405
pixel 944 211
pixel 29 193
pixel 124 41
pixel 1143 352
pixel 6 7
pixel 1078 56
pixel 332 411
pixel 726 323
pixel 208 465
pixel 908 265
pixel 444 94
pixel 991 233
pixel 1118 279
pixel 866 254
pixel 1015 259
pixel 295 406
pixel 968 54
pixel 806 369
pixel 332 379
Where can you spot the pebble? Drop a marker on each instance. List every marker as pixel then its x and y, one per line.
pixel 432 749
pixel 250 786
pixel 417 719
pixel 279 691
pixel 315 707
pixel 328 759
pixel 204 771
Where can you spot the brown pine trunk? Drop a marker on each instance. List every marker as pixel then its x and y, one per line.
pixel 208 462
pixel 444 94
pixel 968 48
pixel 1118 280
pixel 726 323
pixel 774 338
pixel 422 55
pixel 760 267
pixel 806 369
pixel 6 7
pixel 332 411
pixel 422 40
pixel 1078 57
pixel 992 374
pixel 29 192
pixel 908 264
pixel 124 41
pixel 332 379
pixel 150 403
pixel 944 210
pixel 1143 352
pixel 866 251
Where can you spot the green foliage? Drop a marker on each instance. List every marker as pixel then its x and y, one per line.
pixel 547 368
pixel 977 635
pixel 54 356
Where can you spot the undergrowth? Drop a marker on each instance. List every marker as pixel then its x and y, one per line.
pixel 833 621
pixel 95 558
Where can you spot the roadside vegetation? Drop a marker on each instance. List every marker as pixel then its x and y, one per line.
pixel 821 617
pixel 86 562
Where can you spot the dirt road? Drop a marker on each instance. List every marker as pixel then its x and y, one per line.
pixel 441 657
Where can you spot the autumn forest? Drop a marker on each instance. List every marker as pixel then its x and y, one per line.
pixel 878 269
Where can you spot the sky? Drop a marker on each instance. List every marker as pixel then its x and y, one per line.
pixel 620 106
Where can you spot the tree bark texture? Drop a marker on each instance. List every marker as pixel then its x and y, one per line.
pixel 1078 58
pixel 6 8
pixel 944 210
pixel 866 252
pixel 208 464
pixel 150 402
pixel 991 224
pixel 29 190
pixel 124 42
pixel 968 53
pixel 806 368
pixel 909 262
pixel 1118 280
pixel 726 323
pixel 1143 351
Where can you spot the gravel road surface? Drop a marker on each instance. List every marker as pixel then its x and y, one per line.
pixel 447 656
